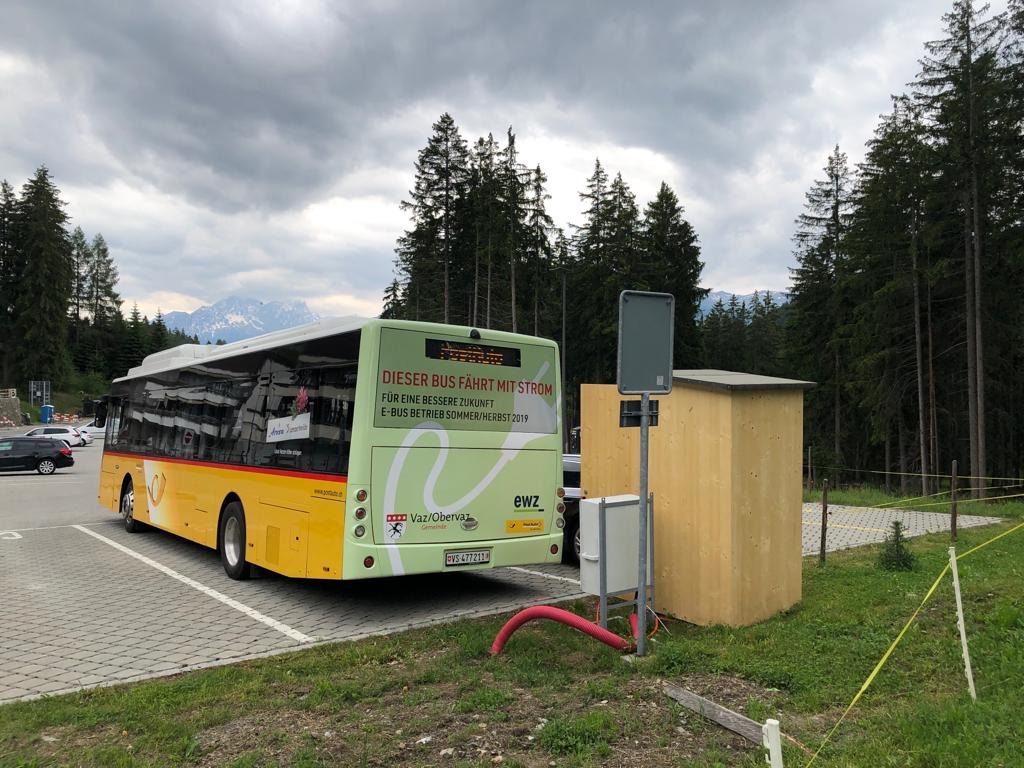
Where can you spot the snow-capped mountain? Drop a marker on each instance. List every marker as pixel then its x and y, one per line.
pixel 708 302
pixel 236 318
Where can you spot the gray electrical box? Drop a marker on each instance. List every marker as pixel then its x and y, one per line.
pixel 646 323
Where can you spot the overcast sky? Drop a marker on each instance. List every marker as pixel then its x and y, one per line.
pixel 261 148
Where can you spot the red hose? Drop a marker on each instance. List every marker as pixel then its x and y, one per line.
pixel 557 614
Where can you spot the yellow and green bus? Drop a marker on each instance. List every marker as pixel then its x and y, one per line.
pixel 345 449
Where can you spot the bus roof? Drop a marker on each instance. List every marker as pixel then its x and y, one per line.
pixel 186 355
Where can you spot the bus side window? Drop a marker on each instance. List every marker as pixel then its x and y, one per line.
pixel 113 431
pixel 131 419
pixel 331 420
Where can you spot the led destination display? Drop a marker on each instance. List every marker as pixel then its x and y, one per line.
pixel 462 352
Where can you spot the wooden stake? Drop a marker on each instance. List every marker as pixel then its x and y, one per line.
pixel 952 504
pixel 772 742
pixel 824 519
pixel 734 721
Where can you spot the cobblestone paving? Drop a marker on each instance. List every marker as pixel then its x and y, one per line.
pixel 856 526
pixel 78 612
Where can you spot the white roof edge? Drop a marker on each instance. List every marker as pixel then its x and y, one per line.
pixel 185 355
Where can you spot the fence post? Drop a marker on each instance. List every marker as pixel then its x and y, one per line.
pixel 952 504
pixel 772 739
pixel 960 624
pixel 824 519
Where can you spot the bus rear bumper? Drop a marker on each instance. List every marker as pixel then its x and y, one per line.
pixel 407 559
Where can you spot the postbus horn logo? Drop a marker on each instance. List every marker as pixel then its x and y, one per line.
pixel 155 491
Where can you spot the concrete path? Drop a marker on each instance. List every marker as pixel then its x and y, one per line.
pixel 856 526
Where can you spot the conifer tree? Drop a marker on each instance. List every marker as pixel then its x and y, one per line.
pixel 44 286
pixel 672 254
pixel 427 251
pixel 104 301
pixel 392 309
pixel 158 334
pixel 81 257
pixel 958 85
pixel 540 253
pixel 134 345
pixel 819 311
pixel 10 271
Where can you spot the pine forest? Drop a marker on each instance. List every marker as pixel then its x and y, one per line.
pixel 905 302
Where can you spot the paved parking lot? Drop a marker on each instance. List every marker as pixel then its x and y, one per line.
pixel 84 603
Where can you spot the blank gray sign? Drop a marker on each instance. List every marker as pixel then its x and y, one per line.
pixel 645 342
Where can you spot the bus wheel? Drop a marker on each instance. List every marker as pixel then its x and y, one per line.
pixel 128 508
pixel 571 542
pixel 231 542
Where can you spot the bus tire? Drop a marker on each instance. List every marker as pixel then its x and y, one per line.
pixel 127 507
pixel 571 540
pixel 231 542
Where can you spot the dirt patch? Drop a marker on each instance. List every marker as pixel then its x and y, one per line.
pixel 423 725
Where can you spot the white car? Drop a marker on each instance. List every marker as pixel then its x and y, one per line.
pixel 69 434
pixel 91 430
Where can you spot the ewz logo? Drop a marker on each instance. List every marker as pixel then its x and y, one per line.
pixel 527 502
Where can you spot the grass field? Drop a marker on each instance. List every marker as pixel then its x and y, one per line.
pixel 436 697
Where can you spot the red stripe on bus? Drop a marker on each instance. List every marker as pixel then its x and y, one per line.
pixel 237 467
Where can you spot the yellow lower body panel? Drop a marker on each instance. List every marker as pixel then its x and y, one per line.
pixel 294 521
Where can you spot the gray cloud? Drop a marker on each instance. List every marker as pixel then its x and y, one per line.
pixel 200 134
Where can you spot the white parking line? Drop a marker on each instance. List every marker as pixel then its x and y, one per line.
pixel 48 527
pixel 545 575
pixel 294 634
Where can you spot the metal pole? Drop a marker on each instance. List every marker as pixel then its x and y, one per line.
pixel 824 519
pixel 641 592
pixel 650 543
pixel 602 554
pixel 952 504
pixel 565 405
pixel 960 624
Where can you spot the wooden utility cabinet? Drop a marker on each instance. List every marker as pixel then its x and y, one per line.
pixel 725 469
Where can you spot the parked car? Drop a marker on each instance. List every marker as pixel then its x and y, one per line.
pixel 72 435
pixel 91 430
pixel 18 454
pixel 571 484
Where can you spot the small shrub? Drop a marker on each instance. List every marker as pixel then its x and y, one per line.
pixel 895 556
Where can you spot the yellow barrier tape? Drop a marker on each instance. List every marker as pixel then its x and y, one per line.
pixel 960 501
pixel 899 637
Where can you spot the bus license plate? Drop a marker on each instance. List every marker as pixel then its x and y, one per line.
pixel 467 557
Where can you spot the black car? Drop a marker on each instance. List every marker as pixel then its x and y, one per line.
pixel 571 483
pixel 18 454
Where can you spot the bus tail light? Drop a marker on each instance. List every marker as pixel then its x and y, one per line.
pixel 359 531
pixel 368 561
pixel 559 522
pixel 560 507
pixel 360 513
pixel 554 549
pixel 560 492
pixel 361 495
